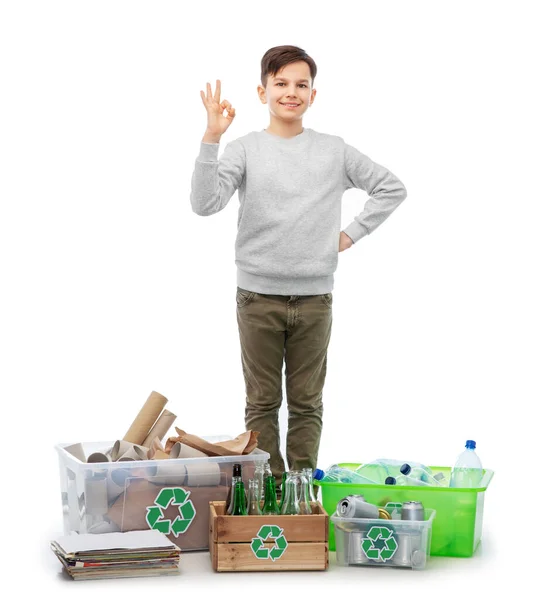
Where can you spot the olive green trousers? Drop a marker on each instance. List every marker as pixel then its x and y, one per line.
pixel 293 331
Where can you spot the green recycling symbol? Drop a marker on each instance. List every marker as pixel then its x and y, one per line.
pixel 180 524
pixel 394 507
pixel 379 543
pixel 265 532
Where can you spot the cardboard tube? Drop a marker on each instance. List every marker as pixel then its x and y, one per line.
pixel 99 457
pixel 96 496
pixel 160 428
pixel 119 449
pixel 179 450
pixel 77 451
pixel 117 482
pixel 146 418
pixel 203 474
pixel 168 473
pixel 136 452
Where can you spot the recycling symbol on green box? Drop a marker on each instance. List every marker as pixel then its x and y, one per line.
pixel 379 543
pixel 167 496
pixel 265 532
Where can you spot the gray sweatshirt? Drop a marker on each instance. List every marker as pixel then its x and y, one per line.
pixel 290 192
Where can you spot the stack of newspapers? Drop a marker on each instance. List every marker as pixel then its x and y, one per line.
pixel 111 555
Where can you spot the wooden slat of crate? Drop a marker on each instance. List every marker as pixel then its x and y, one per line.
pixel 299 528
pixel 299 556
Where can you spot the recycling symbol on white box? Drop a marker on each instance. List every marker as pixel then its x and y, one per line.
pixel 279 547
pixel 379 544
pixel 178 497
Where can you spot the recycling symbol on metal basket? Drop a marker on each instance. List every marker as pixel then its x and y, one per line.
pixel 167 496
pixel 265 532
pixel 379 543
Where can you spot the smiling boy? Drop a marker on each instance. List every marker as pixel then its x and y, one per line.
pixel 291 180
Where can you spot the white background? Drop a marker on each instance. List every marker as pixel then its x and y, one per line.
pixel 112 287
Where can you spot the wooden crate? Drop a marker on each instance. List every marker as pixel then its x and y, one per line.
pixel 254 542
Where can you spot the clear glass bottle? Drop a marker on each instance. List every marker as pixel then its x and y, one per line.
pixel 259 476
pixel 307 472
pixel 282 490
pixel 296 500
pixel 253 498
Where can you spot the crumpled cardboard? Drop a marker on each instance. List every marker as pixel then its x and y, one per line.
pixel 242 444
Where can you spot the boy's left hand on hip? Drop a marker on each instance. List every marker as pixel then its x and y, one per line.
pixel 344 241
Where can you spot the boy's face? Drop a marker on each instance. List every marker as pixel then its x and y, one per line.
pixel 291 85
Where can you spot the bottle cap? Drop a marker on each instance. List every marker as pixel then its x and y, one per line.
pixel 318 474
pixel 236 470
pixel 471 444
pixel 405 469
pixel 390 481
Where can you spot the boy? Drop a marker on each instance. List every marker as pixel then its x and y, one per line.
pixel 291 180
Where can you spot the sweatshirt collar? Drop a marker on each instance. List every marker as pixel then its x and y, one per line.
pixel 299 137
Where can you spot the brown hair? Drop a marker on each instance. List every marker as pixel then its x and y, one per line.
pixel 279 56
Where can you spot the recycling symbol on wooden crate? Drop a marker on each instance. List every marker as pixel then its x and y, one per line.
pixel 155 514
pixel 379 543
pixel 265 532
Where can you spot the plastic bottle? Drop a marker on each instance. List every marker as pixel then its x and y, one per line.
pixel 375 470
pixel 423 474
pixel 394 466
pixel 467 472
pixel 335 473
pixel 405 480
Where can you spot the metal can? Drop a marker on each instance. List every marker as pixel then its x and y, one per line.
pixel 355 553
pixel 412 511
pixel 355 507
pixel 408 548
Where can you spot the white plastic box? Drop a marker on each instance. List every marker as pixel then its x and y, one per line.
pixel 170 495
pixel 383 542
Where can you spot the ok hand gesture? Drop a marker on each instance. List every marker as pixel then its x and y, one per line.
pixel 217 122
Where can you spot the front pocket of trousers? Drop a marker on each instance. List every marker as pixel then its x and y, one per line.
pixel 327 299
pixel 243 298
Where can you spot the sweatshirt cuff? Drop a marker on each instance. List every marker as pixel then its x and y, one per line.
pixel 355 231
pixel 208 152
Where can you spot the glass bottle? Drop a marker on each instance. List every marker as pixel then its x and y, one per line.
pixel 239 502
pixel 270 501
pixel 259 476
pixel 237 476
pixel 307 472
pixel 296 500
pixel 253 500
pixel 283 480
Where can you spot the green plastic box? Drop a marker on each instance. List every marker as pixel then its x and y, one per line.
pixel 457 528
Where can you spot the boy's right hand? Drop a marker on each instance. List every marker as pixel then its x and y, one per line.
pixel 217 123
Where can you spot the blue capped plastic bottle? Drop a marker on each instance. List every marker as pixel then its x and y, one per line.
pixel 405 480
pixel 421 473
pixel 467 472
pixel 335 473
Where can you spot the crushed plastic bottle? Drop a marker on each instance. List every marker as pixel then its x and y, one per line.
pixel 335 473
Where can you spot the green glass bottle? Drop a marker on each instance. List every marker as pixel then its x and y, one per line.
pixel 239 499
pixel 270 500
